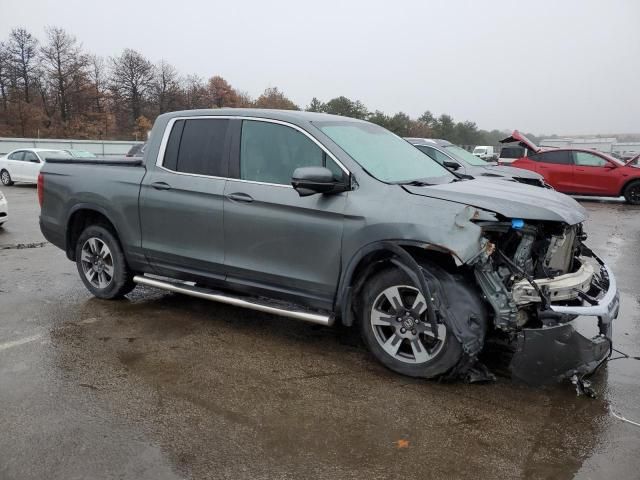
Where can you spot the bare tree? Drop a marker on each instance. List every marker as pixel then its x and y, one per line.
pixel 22 49
pixel 195 92
pixel 166 87
pixel 5 65
pixel 97 76
pixel 131 79
pixel 64 66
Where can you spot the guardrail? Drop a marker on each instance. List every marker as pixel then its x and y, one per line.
pixel 102 148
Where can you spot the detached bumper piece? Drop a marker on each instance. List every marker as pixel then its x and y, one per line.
pixel 556 353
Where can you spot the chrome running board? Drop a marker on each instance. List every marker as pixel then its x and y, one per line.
pixel 186 289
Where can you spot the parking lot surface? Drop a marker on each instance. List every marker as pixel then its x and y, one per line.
pixel 162 386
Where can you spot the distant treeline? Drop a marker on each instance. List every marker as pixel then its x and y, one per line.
pixel 52 88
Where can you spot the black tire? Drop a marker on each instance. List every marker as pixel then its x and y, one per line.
pixel 632 193
pixel 443 360
pixel 121 281
pixel 5 178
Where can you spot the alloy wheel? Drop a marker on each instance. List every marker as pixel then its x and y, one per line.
pixel 398 320
pixel 97 263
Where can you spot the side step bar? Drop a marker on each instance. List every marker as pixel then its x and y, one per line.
pixel 199 292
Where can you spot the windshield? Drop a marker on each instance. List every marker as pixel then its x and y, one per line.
pixel 382 154
pixel 81 154
pixel 44 154
pixel 480 150
pixel 465 156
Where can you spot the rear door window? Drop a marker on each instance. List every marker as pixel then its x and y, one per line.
pixel 16 155
pixel 30 157
pixel 197 146
pixel 270 152
pixel 562 157
pixel 586 159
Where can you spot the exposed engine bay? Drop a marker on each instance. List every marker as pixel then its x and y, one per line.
pixel 525 267
pixel 538 277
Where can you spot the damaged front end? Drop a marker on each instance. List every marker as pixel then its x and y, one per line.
pixel 538 277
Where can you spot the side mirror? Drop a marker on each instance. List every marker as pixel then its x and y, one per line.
pixel 310 180
pixel 610 165
pixel 34 160
pixel 451 165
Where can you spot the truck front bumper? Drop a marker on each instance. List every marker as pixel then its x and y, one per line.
pixel 551 354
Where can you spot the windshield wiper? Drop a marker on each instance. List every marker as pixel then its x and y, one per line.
pixel 417 183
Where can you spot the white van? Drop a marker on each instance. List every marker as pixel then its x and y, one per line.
pixel 485 152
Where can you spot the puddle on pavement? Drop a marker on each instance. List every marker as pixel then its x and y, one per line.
pixel 215 385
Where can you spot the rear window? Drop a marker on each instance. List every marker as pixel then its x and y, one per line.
pixel 512 152
pixel 197 146
pixel 560 157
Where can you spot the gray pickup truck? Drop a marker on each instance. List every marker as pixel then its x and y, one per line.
pixel 324 218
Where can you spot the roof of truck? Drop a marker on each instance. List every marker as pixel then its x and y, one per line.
pixel 284 115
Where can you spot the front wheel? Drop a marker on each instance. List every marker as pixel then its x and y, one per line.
pixel 101 263
pixel 632 193
pixel 395 328
pixel 6 178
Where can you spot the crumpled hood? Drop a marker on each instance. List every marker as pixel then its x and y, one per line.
pixel 513 172
pixel 510 199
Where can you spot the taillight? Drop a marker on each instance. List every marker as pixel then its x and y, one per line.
pixel 40 189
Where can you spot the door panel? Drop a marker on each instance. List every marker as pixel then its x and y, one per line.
pixel 31 165
pixel 181 222
pixel 559 176
pixel 181 200
pixel 277 240
pixel 557 168
pixel 15 166
pixel 592 177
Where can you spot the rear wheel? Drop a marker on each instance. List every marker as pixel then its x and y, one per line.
pixel 6 178
pixel 101 263
pixel 632 193
pixel 395 328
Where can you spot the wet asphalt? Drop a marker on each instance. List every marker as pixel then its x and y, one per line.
pixel 163 386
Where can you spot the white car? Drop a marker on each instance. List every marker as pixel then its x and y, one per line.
pixel 4 209
pixel 23 165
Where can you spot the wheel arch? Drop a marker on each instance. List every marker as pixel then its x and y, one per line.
pixel 627 183
pixel 80 217
pixel 375 257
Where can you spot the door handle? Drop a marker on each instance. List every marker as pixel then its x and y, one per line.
pixel 240 197
pixel 161 186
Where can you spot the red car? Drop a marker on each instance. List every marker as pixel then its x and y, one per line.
pixel 580 171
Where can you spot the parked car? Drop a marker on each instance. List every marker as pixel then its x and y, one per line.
pixel 24 164
pixel 581 171
pixel 510 153
pixel 4 209
pixel 457 159
pixel 330 219
pixel 485 152
pixel 80 153
pixel 137 150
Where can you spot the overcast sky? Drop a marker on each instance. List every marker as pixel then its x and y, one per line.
pixel 567 67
